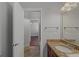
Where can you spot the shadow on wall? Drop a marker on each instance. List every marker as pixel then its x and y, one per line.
pixel 9 30
pixel 5 28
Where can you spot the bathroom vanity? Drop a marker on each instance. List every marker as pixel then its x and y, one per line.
pixel 62 48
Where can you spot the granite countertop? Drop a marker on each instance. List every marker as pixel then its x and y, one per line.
pixel 52 43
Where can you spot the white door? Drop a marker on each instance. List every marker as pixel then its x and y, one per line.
pixel 18 30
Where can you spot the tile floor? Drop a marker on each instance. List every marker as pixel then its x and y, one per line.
pixel 33 49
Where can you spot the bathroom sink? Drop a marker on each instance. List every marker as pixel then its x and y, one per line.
pixel 73 55
pixel 63 49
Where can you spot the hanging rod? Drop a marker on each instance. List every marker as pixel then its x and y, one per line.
pixel 71 27
pixel 51 27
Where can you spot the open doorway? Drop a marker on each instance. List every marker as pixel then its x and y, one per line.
pixel 32 32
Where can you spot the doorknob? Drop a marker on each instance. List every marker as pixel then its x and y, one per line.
pixel 15 44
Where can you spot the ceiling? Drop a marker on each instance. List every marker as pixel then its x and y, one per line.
pixel 54 5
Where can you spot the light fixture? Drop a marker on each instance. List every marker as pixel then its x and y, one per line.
pixel 68 6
